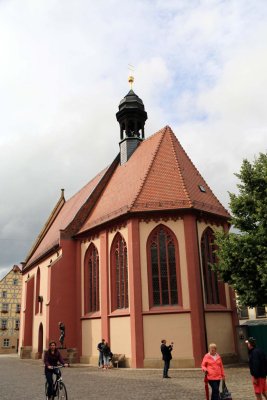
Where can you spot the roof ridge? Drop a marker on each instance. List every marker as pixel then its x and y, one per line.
pixel 49 222
pixel 11 269
pixel 164 130
pixel 103 171
pixel 173 138
pixel 189 158
pixel 93 197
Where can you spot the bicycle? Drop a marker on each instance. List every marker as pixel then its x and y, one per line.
pixel 59 388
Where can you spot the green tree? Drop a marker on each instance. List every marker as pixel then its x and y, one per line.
pixel 242 256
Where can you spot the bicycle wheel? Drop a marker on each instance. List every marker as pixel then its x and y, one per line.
pixel 62 392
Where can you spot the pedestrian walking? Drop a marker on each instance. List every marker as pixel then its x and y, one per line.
pixel 100 355
pixel 166 356
pixel 213 367
pixel 258 368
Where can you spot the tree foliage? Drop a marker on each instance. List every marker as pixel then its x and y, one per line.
pixel 242 256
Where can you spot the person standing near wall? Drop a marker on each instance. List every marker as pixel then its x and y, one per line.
pixel 258 368
pixel 106 355
pixel 166 356
pixel 213 367
pixel 100 356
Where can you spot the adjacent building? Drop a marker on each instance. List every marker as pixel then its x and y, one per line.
pixel 255 313
pixel 10 292
pixel 127 258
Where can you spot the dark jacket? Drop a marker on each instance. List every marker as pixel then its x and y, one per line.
pixel 100 346
pixel 166 352
pixel 52 359
pixel 257 363
pixel 106 350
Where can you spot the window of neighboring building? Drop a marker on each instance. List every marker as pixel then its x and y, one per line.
pixel 4 307
pixel 15 281
pixel 243 312
pixel 17 308
pixel 163 268
pixel 6 343
pixel 214 289
pixel 4 294
pixel 3 323
pixel 17 324
pixel 119 273
pixel 260 312
pixel 91 277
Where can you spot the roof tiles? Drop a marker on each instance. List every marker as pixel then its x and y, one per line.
pixel 158 176
pixel 65 216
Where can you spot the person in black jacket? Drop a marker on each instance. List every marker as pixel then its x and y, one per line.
pixel 258 368
pixel 106 355
pixel 166 357
pixel 100 356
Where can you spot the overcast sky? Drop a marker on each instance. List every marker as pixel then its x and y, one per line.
pixel 199 66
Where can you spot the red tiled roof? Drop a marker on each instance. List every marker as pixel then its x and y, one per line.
pixel 65 216
pixel 158 176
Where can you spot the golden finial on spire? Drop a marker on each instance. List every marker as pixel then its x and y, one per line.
pixel 131 77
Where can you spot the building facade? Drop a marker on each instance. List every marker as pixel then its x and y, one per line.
pixel 10 292
pixel 127 258
pixel 255 313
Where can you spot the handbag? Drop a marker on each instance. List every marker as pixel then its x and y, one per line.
pixel 225 394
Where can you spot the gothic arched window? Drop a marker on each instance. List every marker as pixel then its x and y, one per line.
pixel 119 273
pixel 91 279
pixel 163 268
pixel 214 289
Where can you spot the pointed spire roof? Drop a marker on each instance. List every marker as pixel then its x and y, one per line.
pixel 158 176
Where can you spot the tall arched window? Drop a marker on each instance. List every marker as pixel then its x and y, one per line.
pixel 163 268
pixel 91 278
pixel 119 273
pixel 214 289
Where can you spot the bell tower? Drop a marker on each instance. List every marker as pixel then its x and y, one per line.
pixel 131 117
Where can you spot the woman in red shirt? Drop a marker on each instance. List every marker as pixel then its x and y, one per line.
pixel 213 367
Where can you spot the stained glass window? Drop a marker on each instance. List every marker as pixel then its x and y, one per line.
pixel 163 267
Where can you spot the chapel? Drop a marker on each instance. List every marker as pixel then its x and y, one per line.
pixel 128 258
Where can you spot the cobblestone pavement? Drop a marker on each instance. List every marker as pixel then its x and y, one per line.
pixel 24 379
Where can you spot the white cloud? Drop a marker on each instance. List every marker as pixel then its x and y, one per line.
pixel 199 67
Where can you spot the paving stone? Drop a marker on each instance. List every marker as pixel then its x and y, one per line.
pixel 24 379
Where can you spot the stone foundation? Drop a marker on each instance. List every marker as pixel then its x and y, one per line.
pixel 25 352
pixel 69 355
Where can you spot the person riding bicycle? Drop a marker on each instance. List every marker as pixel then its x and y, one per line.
pixel 52 358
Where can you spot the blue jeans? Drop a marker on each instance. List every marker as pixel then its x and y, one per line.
pixel 166 368
pixel 215 395
pixel 100 359
pixel 106 359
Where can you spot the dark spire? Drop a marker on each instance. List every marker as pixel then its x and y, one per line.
pixel 131 117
